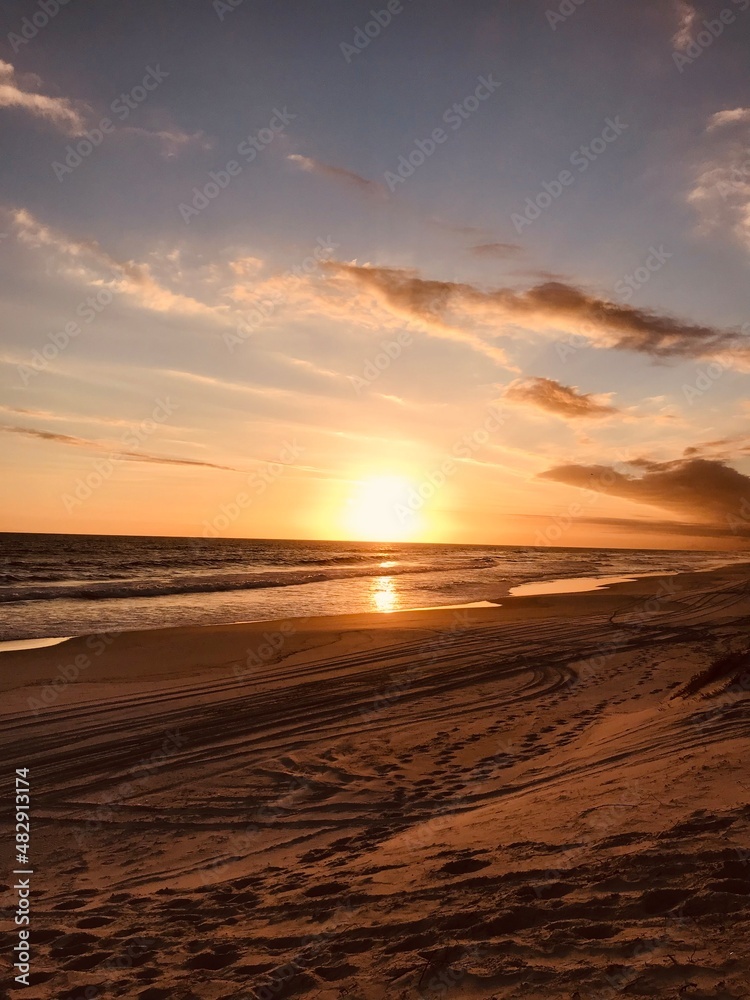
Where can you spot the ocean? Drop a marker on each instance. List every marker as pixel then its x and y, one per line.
pixel 63 585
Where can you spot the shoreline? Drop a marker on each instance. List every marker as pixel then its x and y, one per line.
pixel 173 652
pixel 601 584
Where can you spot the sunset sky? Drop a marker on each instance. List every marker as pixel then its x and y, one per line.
pixel 481 279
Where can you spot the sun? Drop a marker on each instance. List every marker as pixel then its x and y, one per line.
pixel 381 509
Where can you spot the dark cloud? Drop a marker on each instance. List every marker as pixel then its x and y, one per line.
pixel 552 304
pixel 702 490
pixel 100 446
pixel 683 528
pixel 562 400
pixel 638 527
pixel 723 448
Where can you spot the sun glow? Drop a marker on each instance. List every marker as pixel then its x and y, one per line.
pixel 380 511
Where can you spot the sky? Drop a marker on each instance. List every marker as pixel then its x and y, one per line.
pixel 470 272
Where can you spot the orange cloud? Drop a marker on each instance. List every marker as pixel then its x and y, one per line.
pixel 562 400
pixel 101 446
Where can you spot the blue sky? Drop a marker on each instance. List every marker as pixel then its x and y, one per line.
pixel 639 261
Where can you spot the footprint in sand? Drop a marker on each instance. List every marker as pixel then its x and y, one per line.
pixel 464 866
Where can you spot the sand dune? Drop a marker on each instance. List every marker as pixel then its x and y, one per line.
pixel 546 799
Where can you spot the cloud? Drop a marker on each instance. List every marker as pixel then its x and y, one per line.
pixel 101 446
pixel 475 232
pixel 416 300
pixel 496 250
pixel 730 117
pixel 171 140
pixel 687 16
pixel 374 189
pixel 348 177
pixel 550 305
pixel 89 262
pixel 702 490
pixel 562 400
pixel 246 267
pixel 668 528
pixel 48 415
pixel 720 192
pixel 58 111
pixel 722 449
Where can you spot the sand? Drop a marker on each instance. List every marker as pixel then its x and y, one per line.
pixel 545 799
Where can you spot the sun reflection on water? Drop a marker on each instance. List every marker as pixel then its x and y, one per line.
pixel 384 595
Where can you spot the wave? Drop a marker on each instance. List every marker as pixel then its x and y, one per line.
pixel 148 587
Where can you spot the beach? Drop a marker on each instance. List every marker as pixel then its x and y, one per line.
pixel 544 799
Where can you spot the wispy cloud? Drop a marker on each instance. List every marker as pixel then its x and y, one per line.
pixel 110 449
pixel 720 192
pixel 341 174
pixel 171 140
pixel 499 251
pixel 90 263
pixel 471 232
pixel 552 305
pixel 426 303
pixel 58 111
pixel 374 189
pixel 638 527
pixel 687 16
pixel 563 401
pixel 722 448
pixel 50 416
